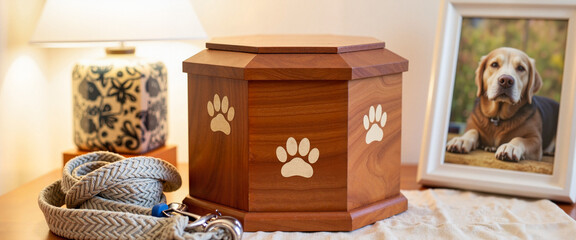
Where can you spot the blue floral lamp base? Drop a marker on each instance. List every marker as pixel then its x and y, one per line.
pixel 119 103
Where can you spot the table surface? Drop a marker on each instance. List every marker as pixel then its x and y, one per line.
pixel 20 217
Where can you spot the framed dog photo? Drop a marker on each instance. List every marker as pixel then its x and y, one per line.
pixel 501 107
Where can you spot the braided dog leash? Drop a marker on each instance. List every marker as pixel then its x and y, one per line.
pixel 110 197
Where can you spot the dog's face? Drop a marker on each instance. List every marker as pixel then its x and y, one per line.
pixel 507 75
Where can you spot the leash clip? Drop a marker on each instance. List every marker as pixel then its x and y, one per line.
pixel 209 222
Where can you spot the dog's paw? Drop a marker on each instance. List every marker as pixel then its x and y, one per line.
pixel 510 153
pixel 459 145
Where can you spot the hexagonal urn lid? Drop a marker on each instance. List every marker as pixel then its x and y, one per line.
pixel 295 57
pixel 295 44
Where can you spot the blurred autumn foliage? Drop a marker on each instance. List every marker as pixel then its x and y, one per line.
pixel 542 39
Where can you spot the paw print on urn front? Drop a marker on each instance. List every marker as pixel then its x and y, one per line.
pixel 221 113
pixel 297 166
pixel 374 123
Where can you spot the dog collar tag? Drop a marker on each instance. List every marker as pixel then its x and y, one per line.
pixel 495 121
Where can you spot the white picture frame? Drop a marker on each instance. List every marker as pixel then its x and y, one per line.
pixel 432 171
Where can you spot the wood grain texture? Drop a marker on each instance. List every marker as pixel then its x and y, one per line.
pixel 310 221
pixel 218 162
pixel 377 211
pixel 374 166
pixel 247 66
pixel 298 67
pixel 347 66
pixel 295 43
pixel 218 64
pixel 297 150
pixel 316 110
pixel 372 63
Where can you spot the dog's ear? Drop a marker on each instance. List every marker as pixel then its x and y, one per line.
pixel 480 76
pixel 534 81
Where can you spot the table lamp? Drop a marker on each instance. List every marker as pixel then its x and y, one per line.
pixel 119 101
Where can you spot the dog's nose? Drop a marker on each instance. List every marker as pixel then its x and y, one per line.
pixel 506 81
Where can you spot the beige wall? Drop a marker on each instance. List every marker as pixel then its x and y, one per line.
pixel 35 98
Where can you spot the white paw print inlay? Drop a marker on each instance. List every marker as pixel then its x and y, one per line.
pixel 217 110
pixel 297 166
pixel 374 122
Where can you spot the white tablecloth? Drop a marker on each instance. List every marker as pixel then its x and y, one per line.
pixel 454 214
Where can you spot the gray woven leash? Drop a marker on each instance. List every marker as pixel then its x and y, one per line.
pixel 110 197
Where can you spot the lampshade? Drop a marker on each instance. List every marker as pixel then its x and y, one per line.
pixel 119 101
pixel 73 21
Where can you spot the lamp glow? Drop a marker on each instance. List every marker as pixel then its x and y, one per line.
pixel 120 101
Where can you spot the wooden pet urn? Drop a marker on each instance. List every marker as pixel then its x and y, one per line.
pixel 296 132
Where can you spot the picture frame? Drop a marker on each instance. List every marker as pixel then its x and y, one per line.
pixel 560 185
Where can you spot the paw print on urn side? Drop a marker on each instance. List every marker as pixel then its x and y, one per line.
pixel 222 114
pixel 374 122
pixel 297 166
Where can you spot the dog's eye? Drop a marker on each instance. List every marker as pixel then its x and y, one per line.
pixel 494 65
pixel 521 68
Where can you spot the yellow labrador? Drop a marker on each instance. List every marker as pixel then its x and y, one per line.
pixel 507 117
